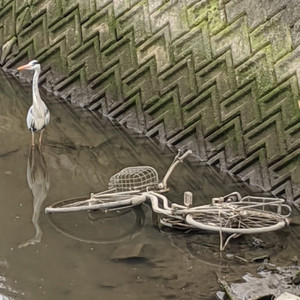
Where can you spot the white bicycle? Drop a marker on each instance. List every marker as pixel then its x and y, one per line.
pixel 230 214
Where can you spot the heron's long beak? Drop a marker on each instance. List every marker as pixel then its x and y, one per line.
pixel 24 67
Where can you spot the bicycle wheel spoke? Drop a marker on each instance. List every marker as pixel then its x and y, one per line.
pixel 252 222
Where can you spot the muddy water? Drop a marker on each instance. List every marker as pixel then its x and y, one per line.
pixel 98 256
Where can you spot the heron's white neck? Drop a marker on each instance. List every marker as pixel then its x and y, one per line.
pixel 35 89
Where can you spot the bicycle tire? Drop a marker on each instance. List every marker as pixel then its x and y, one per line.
pixel 92 204
pixel 243 221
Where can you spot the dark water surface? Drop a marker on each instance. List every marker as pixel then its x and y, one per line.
pixel 97 256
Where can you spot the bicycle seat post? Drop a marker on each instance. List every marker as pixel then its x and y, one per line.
pixel 188 199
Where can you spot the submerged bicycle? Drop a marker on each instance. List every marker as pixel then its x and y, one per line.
pixel 230 214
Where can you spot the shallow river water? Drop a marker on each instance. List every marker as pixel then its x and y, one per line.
pixel 98 256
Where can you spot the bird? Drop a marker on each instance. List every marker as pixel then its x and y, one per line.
pixel 38 116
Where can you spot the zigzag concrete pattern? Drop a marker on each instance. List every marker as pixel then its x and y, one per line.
pixel 218 77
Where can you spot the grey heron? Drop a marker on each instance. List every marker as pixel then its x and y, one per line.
pixel 38 115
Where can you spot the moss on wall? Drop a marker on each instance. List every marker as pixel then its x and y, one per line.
pixel 217 76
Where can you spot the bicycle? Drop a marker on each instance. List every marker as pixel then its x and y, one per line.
pixel 230 214
pixel 124 189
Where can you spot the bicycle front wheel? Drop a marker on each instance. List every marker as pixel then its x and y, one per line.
pixel 241 221
pixel 106 204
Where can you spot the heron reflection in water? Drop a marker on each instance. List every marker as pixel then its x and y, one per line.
pixel 39 182
pixel 38 115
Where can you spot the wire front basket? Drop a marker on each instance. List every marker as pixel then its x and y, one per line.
pixel 134 178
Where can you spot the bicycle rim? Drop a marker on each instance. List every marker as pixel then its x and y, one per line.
pixel 243 222
pixel 83 204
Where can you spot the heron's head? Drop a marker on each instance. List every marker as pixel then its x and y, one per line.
pixel 32 65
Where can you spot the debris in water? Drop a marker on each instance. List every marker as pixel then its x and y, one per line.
pixel 267 285
pixel 287 296
pixel 131 251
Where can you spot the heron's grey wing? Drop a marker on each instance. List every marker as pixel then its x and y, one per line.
pixel 47 116
pixel 29 119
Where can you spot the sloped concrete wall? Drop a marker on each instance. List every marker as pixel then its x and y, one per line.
pixel 219 77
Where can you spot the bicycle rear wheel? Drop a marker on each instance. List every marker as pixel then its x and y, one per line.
pixel 105 203
pixel 241 221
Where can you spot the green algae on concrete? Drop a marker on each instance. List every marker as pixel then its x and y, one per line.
pixel 213 74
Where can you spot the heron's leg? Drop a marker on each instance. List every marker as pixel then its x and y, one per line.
pixel 40 139
pixel 32 139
